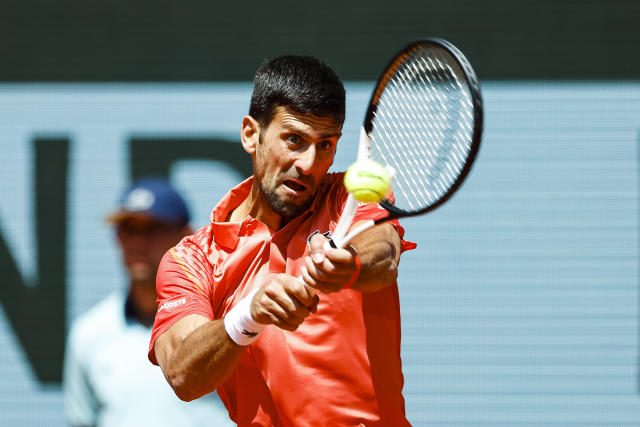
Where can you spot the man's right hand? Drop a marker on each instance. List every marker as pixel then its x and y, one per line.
pixel 283 301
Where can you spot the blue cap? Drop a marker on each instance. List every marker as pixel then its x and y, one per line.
pixel 152 198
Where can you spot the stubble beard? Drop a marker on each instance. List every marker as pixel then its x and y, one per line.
pixel 287 211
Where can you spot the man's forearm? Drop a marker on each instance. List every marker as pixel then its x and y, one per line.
pixel 379 252
pixel 202 360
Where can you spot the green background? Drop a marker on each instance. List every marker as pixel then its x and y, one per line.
pixel 118 40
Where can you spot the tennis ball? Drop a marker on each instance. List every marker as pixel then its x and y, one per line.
pixel 367 180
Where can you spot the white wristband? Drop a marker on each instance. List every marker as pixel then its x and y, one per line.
pixel 239 324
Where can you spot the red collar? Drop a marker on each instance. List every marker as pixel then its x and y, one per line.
pixel 227 233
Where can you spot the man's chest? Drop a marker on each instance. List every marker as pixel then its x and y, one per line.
pixel 260 252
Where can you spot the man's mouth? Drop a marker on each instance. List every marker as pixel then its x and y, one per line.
pixel 296 186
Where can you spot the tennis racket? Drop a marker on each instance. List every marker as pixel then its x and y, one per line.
pixel 424 124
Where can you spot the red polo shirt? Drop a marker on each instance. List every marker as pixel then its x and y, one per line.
pixel 340 368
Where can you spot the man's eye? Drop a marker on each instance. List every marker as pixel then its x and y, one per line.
pixel 293 139
pixel 325 145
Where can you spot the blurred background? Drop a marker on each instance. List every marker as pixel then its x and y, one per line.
pixel 521 306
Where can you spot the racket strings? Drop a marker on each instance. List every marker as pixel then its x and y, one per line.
pixel 423 127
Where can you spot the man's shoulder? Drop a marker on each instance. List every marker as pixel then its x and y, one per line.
pixel 332 182
pixel 333 178
pixel 198 244
pixel 331 192
pixel 201 238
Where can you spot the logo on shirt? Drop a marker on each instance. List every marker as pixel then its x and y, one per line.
pixel 172 304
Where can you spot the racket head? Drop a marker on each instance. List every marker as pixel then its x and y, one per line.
pixel 424 122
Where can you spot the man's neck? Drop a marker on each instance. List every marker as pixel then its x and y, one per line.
pixel 257 207
pixel 142 301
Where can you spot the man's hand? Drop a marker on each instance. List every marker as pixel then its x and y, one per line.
pixel 283 301
pixel 328 270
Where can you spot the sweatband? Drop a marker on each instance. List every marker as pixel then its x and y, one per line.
pixel 239 324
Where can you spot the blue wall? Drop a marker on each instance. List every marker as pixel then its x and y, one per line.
pixel 521 305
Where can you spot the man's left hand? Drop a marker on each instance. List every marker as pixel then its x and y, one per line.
pixel 328 270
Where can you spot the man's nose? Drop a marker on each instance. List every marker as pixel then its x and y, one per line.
pixel 306 159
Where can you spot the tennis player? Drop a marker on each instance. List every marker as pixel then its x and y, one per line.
pixel 290 334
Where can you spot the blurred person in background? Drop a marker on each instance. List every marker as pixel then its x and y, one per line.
pixel 108 380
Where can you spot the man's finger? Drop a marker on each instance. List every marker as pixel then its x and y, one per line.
pixel 340 255
pixel 273 305
pixel 296 288
pixel 317 250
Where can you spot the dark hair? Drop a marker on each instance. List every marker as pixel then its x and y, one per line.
pixel 303 84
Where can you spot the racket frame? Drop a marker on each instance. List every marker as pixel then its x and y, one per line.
pixel 341 235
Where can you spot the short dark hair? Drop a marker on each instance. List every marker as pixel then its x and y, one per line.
pixel 303 84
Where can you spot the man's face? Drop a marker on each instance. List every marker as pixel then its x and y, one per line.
pixel 293 156
pixel 144 243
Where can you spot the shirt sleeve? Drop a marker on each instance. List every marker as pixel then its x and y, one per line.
pixel 81 405
pixel 184 284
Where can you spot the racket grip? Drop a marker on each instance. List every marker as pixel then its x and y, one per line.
pixel 342 242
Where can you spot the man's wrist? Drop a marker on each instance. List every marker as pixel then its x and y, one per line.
pixel 240 326
pixel 355 275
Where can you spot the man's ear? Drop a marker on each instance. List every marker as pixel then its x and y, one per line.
pixel 250 134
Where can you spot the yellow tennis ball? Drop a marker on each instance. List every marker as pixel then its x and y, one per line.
pixel 367 180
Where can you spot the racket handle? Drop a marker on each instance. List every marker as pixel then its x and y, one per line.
pixel 342 242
